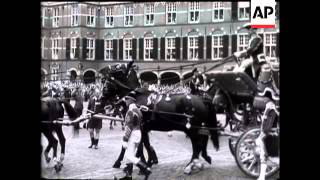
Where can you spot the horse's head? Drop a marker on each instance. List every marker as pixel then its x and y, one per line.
pixel 119 79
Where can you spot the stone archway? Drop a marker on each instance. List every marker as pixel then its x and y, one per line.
pixel 149 77
pixel 73 75
pixel 169 78
pixel 89 77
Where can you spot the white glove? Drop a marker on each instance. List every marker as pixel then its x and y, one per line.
pixel 87 116
pixel 124 144
pixel 237 54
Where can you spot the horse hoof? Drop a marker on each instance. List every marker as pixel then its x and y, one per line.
pixel 116 165
pixel 208 159
pixel 149 164
pixel 48 159
pixel 58 167
pixel 187 171
pixel 155 162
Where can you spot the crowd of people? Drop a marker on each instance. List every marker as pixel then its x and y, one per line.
pixel 171 89
pixel 64 89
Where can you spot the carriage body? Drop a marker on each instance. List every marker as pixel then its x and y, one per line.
pixel 234 93
pixel 238 91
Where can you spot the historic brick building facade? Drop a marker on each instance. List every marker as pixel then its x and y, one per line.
pixel 80 38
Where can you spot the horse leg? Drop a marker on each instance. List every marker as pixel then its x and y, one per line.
pixel 139 153
pixel 204 143
pixel 195 153
pixel 153 159
pixel 53 142
pixel 117 164
pixel 62 141
pixel 49 146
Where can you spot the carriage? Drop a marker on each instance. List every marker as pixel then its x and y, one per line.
pixel 244 106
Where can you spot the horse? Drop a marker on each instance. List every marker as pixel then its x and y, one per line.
pixel 51 110
pixel 173 118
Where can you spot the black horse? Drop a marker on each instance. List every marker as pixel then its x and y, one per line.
pixel 168 115
pixel 52 110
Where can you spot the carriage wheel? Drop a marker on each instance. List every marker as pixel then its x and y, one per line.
pixel 247 158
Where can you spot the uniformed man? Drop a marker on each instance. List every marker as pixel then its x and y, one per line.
pixel 196 82
pixel 132 137
pixel 94 124
pixel 251 65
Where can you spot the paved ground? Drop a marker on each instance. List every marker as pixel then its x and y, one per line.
pixel 173 153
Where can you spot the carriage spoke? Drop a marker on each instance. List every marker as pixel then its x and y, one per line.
pixel 247 158
pixel 251 164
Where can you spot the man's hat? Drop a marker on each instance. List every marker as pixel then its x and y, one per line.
pixel 194 70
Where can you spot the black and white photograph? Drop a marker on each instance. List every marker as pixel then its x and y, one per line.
pixel 159 90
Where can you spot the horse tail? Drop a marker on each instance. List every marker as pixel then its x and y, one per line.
pixel 213 122
pixel 69 109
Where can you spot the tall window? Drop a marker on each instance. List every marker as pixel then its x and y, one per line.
pixel 90 48
pixel 55 49
pixel 73 48
pixel 270 44
pixel 75 16
pixel 54 73
pixel 148 47
pixel 217 11
pixel 109 17
pixel 55 17
pixel 217 47
pixel 243 41
pixel 244 10
pixel 194 12
pixel 91 16
pixel 128 16
pixel 127 49
pixel 170 48
pixel 108 49
pixel 193 48
pixel 171 13
pixel 149 14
